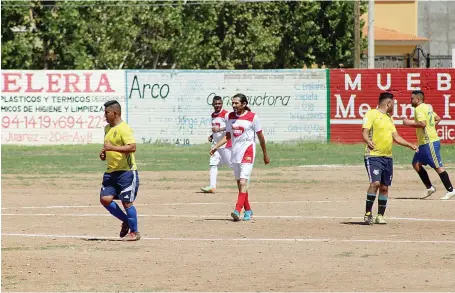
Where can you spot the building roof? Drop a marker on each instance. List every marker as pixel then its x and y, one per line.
pixel 382 35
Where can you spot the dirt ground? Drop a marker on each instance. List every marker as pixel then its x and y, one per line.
pixel 306 235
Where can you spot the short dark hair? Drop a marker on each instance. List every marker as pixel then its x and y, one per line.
pixel 111 103
pixel 419 93
pixel 384 96
pixel 216 98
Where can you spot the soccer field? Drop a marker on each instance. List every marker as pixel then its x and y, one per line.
pixel 307 232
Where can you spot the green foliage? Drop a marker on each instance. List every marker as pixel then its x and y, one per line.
pixel 134 35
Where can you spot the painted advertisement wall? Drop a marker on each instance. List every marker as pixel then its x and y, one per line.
pixel 57 107
pixel 353 92
pixel 175 106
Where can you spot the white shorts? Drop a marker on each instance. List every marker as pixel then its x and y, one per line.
pixel 221 157
pixel 242 170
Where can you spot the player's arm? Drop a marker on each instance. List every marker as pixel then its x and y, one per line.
pixel 366 138
pixel 218 129
pixel 415 124
pixel 220 143
pixel 261 139
pixel 128 140
pixel 401 141
pixel 125 149
pixel 367 124
pixel 421 120
pixel 437 119
pixel 103 151
pixel 103 155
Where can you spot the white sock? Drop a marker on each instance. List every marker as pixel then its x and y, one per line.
pixel 213 174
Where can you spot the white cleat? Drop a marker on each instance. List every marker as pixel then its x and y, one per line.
pixel 428 192
pixel 448 195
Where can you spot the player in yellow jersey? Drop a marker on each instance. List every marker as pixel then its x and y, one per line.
pixel 121 180
pixel 379 133
pixel 425 121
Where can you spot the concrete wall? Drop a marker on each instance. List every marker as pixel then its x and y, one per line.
pixel 436 21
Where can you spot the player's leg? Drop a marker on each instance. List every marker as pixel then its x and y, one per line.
pixel 107 194
pixel 246 170
pixel 382 204
pixel 242 200
pixel 236 167
pixel 436 164
pixel 422 158
pixel 129 182
pixel 214 162
pixel 386 181
pixel 374 176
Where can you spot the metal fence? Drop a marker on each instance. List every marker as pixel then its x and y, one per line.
pixel 436 61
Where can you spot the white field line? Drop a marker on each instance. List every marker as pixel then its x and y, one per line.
pixel 88 237
pixel 213 203
pixel 297 217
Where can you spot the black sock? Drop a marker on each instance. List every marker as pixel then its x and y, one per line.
pixel 424 177
pixel 382 204
pixel 370 202
pixel 446 181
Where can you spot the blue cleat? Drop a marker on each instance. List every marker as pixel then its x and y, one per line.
pixel 247 215
pixel 235 215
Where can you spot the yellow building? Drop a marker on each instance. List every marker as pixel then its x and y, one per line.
pixel 395 27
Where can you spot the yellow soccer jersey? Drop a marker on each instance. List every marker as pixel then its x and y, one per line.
pixel 423 112
pixel 381 128
pixel 119 135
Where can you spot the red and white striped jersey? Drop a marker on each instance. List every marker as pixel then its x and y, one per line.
pixel 243 131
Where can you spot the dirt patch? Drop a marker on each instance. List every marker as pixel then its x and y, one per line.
pixel 306 235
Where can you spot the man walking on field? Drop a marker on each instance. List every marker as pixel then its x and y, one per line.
pixel 425 121
pixel 121 180
pixel 223 155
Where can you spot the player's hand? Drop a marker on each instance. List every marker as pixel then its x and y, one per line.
pixel 266 159
pixel 103 155
pixel 407 122
pixel 414 147
pixel 108 146
pixel 212 151
pixel 371 145
pixel 210 138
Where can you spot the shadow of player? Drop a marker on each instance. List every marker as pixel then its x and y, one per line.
pixel 354 223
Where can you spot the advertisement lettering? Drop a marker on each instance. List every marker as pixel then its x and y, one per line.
pixel 354 92
pixel 57 107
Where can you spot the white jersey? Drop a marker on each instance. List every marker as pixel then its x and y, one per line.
pixel 243 131
pixel 219 119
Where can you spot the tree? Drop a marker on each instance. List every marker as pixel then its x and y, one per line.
pixel 20 47
pixel 136 34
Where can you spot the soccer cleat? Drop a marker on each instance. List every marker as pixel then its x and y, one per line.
pixel 235 215
pixel 124 230
pixel 208 189
pixel 368 218
pixel 448 195
pixel 428 192
pixel 247 215
pixel 132 236
pixel 380 220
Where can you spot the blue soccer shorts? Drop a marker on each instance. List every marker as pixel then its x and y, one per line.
pixel 379 169
pixel 429 154
pixel 122 185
